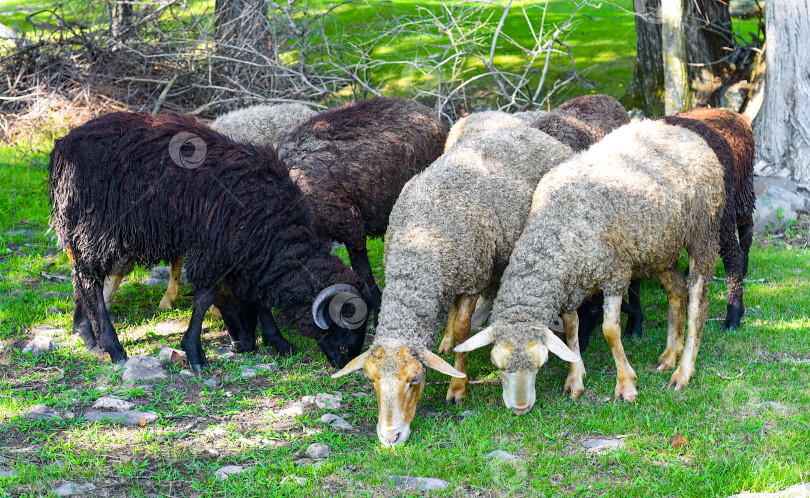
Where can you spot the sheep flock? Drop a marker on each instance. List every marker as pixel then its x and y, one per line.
pixel 532 226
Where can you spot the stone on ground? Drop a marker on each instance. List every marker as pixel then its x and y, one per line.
pixel 111 403
pixel 335 421
pixel 323 401
pixel 165 354
pixel 40 345
pixel 8 472
pixel 141 368
pixel 317 451
pixel 130 418
pixel 212 382
pixel 229 470
pixel 70 488
pixel 797 491
pixel 600 445
pixel 418 483
pixel 41 412
pixel 778 202
pixel 501 455
pixel 261 368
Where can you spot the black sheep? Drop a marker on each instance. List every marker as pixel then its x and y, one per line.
pixel 125 185
pixel 352 162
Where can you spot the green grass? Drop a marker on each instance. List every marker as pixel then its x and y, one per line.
pixel 735 441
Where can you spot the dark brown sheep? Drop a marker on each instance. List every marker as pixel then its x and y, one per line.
pixel 352 162
pixel 583 121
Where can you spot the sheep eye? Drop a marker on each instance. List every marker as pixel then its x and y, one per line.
pixel 415 381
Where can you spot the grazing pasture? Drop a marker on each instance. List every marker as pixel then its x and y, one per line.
pixel 742 424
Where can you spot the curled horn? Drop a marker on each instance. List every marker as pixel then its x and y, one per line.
pixel 329 304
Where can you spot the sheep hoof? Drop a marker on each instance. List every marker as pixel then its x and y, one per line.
pixel 679 380
pixel 666 362
pixel 457 392
pixel 165 304
pixel 446 346
pixel 626 392
pixel 574 386
pixel 197 367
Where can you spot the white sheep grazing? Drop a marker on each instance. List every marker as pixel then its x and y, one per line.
pixel 262 124
pixel 623 209
pixel 451 231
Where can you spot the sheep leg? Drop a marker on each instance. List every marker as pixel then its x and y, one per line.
pixel 271 335
pixel 173 289
pixel 612 329
pixel 446 346
pixel 106 338
pixel 240 321
pixel 192 339
pixel 698 305
pixel 576 371
pixel 358 255
pixel 111 284
pixel 457 392
pixel 634 314
pixel 675 286
pixel 745 228
pixel 733 262
pixel 81 321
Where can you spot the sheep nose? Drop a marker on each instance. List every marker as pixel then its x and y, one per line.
pixel 392 438
pixel 522 409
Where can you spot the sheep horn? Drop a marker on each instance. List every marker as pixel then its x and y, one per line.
pixel 558 347
pixel 352 366
pixel 435 362
pixel 330 303
pixel 481 315
pixel 479 340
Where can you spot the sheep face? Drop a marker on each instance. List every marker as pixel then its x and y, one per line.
pixel 399 379
pixel 341 312
pixel 519 353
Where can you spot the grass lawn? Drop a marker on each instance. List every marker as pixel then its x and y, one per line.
pixel 745 417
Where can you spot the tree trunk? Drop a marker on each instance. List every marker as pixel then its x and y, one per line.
pixel 120 14
pixel 647 90
pixel 242 32
pixel 782 127
pixel 673 41
pixel 707 25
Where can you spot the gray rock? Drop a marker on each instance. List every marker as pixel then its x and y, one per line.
pixel 165 354
pixel 212 382
pixel 303 462
pixel 333 420
pixel 141 368
pixel 160 275
pixel 223 353
pixel 778 201
pixel 112 404
pixel 131 418
pixel 41 412
pixel 323 401
pixel 53 310
pixel 69 488
pixel 468 413
pixel 317 451
pixel 229 470
pixel 745 8
pixel 260 369
pixel 186 373
pixel 636 115
pixel 26 232
pixel 797 491
pixel 40 345
pixel 734 96
pixel 501 455
pixel 293 410
pixel 600 445
pixel 8 472
pixel 48 330
pixel 775 406
pixel 54 295
pixel 419 483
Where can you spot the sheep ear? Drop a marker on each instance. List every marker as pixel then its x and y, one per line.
pixel 559 348
pixel 436 363
pixel 479 340
pixel 352 366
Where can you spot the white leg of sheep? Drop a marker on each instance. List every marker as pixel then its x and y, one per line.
pixel 111 284
pixel 611 328
pixel 698 305
pixel 574 383
pixel 675 286
pixel 173 289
